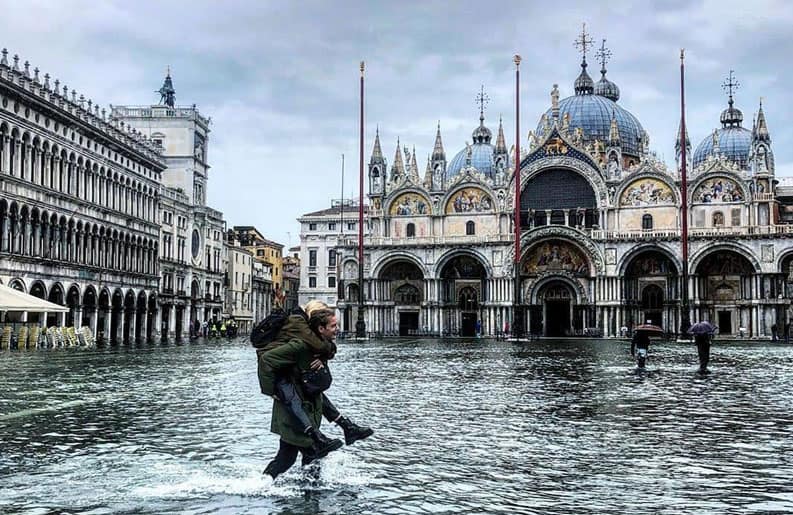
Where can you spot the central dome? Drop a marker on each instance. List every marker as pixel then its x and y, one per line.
pixel 593 113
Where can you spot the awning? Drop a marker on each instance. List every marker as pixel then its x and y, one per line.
pixel 15 300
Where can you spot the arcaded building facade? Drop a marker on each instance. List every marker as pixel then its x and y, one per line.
pixel 601 215
pixel 78 207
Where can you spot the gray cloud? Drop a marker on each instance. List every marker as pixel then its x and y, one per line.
pixel 280 79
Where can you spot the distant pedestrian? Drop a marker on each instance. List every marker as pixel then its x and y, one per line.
pixel 478 328
pixel 787 332
pixel 774 329
pixel 703 351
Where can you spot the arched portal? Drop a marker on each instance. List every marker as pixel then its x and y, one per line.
pixel 557 299
pixel 151 315
pixel 89 307
pixel 403 282
pixel 195 298
pixel 651 291
pixel 140 318
pixel 724 291
pixel 558 197
pixel 103 318
pixel 39 291
pixel 73 302
pixel 555 272
pixel 129 317
pixel 463 289
pixel 117 312
pixel 785 293
pixel 58 297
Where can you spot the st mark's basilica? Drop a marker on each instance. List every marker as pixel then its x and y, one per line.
pixel 601 228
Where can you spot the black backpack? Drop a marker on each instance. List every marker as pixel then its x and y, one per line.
pixel 267 330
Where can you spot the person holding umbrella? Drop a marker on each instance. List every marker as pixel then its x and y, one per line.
pixel 640 342
pixel 703 332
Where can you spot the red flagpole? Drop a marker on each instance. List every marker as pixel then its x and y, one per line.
pixel 685 319
pixel 360 324
pixel 517 315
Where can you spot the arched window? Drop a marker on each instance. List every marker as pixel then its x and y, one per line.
pixel 652 297
pixel 410 232
pixel 468 299
pixel 718 219
pixel 407 295
pixel 647 222
pixel 470 228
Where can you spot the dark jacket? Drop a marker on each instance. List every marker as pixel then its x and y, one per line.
pixel 295 328
pixel 292 358
pixel 640 341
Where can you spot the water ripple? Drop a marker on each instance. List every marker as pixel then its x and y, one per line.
pixel 461 427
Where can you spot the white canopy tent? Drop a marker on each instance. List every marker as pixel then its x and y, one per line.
pixel 14 300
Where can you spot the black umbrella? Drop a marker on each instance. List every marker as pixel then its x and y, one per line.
pixel 703 327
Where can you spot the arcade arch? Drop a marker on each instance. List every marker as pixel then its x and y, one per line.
pixel 651 290
pixel 724 286
pixel 463 290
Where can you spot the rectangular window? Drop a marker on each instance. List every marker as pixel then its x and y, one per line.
pixel 736 216
pixel 312 282
pixel 350 226
pixel 331 226
pixel 312 258
pixel 331 281
pixel 312 227
pixel 332 257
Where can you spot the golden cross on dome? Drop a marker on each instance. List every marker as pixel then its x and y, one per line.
pixel 584 41
pixel 730 84
pixel 482 99
pixel 603 54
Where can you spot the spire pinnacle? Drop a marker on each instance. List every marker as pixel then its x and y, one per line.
pixel 762 128
pixel 414 167
pixel 501 144
pixel 428 174
pixel 680 137
pixel 438 154
pixel 398 168
pixel 377 152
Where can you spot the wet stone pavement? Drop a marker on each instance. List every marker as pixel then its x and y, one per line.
pixel 461 426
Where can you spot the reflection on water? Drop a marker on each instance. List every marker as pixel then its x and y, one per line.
pixel 461 427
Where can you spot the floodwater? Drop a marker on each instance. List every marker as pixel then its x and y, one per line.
pixel 461 426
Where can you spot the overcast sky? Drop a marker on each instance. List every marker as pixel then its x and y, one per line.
pixel 280 79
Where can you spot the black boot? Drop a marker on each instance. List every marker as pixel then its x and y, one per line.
pixel 271 471
pixel 321 447
pixel 352 431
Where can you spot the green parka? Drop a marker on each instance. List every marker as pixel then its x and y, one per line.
pixel 290 354
pixel 291 358
pixel 295 328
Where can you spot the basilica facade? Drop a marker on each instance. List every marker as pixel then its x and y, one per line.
pixel 601 246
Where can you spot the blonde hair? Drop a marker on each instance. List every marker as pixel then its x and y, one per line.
pixel 314 305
